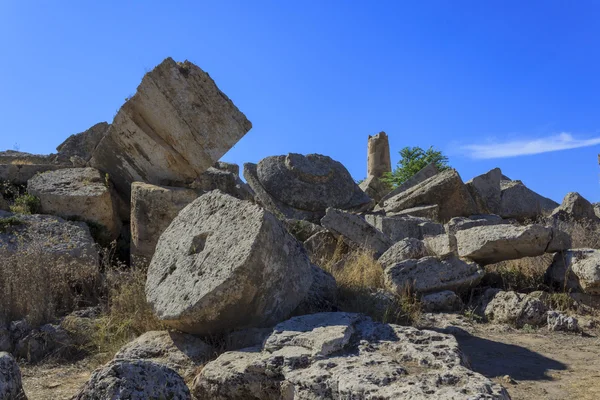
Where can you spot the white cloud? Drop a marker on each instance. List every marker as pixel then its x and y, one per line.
pixel 563 141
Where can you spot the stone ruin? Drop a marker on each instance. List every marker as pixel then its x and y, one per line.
pixel 228 257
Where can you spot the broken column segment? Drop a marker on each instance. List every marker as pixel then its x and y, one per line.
pixel 176 126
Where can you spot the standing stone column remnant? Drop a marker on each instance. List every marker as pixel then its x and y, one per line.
pixel 378 156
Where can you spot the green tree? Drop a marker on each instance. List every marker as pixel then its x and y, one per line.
pixel 412 160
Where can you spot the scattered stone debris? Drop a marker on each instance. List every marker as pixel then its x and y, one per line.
pixel 227 261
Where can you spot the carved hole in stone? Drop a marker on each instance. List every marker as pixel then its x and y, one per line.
pixel 198 243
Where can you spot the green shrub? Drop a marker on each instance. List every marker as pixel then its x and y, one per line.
pixel 26 204
pixel 412 160
pixel 7 223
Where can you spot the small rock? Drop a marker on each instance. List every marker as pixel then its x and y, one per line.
pixel 179 351
pixel 517 309
pixel 560 322
pixel 11 387
pixel 444 301
pixel 134 380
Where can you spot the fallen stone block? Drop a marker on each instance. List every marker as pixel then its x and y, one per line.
pixel 446 189
pixel 405 249
pixel 153 208
pixel 339 355
pixel 575 207
pixel 356 231
pixel 82 145
pixel 303 187
pixel 431 274
pixel 576 270
pixel 444 301
pixel 225 264
pixel 516 308
pixel 402 227
pixel 176 126
pixel 11 386
pixel 495 243
pixel 485 190
pixel 522 203
pixel 135 380
pixel 83 193
pixel 424 173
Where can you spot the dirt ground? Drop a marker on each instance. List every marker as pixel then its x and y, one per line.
pixel 531 364
pixel 541 365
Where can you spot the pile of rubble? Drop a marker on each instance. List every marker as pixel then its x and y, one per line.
pixel 238 259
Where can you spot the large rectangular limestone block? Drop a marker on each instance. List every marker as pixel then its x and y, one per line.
pixel 176 126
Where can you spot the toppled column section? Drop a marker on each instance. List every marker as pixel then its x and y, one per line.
pixel 225 264
pixel 176 126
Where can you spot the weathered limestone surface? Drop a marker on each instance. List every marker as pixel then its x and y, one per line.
pixel 356 231
pixel 494 243
pixel 226 264
pixel 83 144
pixel 443 245
pixel 486 191
pixel 153 208
pixel 342 356
pixel 575 207
pixel 77 192
pixel 374 187
pixel 516 308
pixel 576 270
pixel 405 249
pixel 176 126
pixel 446 189
pixel 11 387
pixel 179 351
pixel 405 226
pixel 431 274
pixel 425 173
pixel 460 223
pixel 430 212
pixel 520 202
pixel 378 155
pixel 134 380
pixel 444 301
pixel 321 247
pixel 303 187
pixel 223 180
pixel 560 322
pixel 19 174
pixel 58 240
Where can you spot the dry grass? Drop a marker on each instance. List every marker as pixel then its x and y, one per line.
pixel 38 285
pixel 361 289
pixel 21 161
pixel 26 204
pixel 584 234
pixel 524 274
pixel 125 312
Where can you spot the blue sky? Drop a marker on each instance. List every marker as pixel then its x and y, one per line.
pixel 487 82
